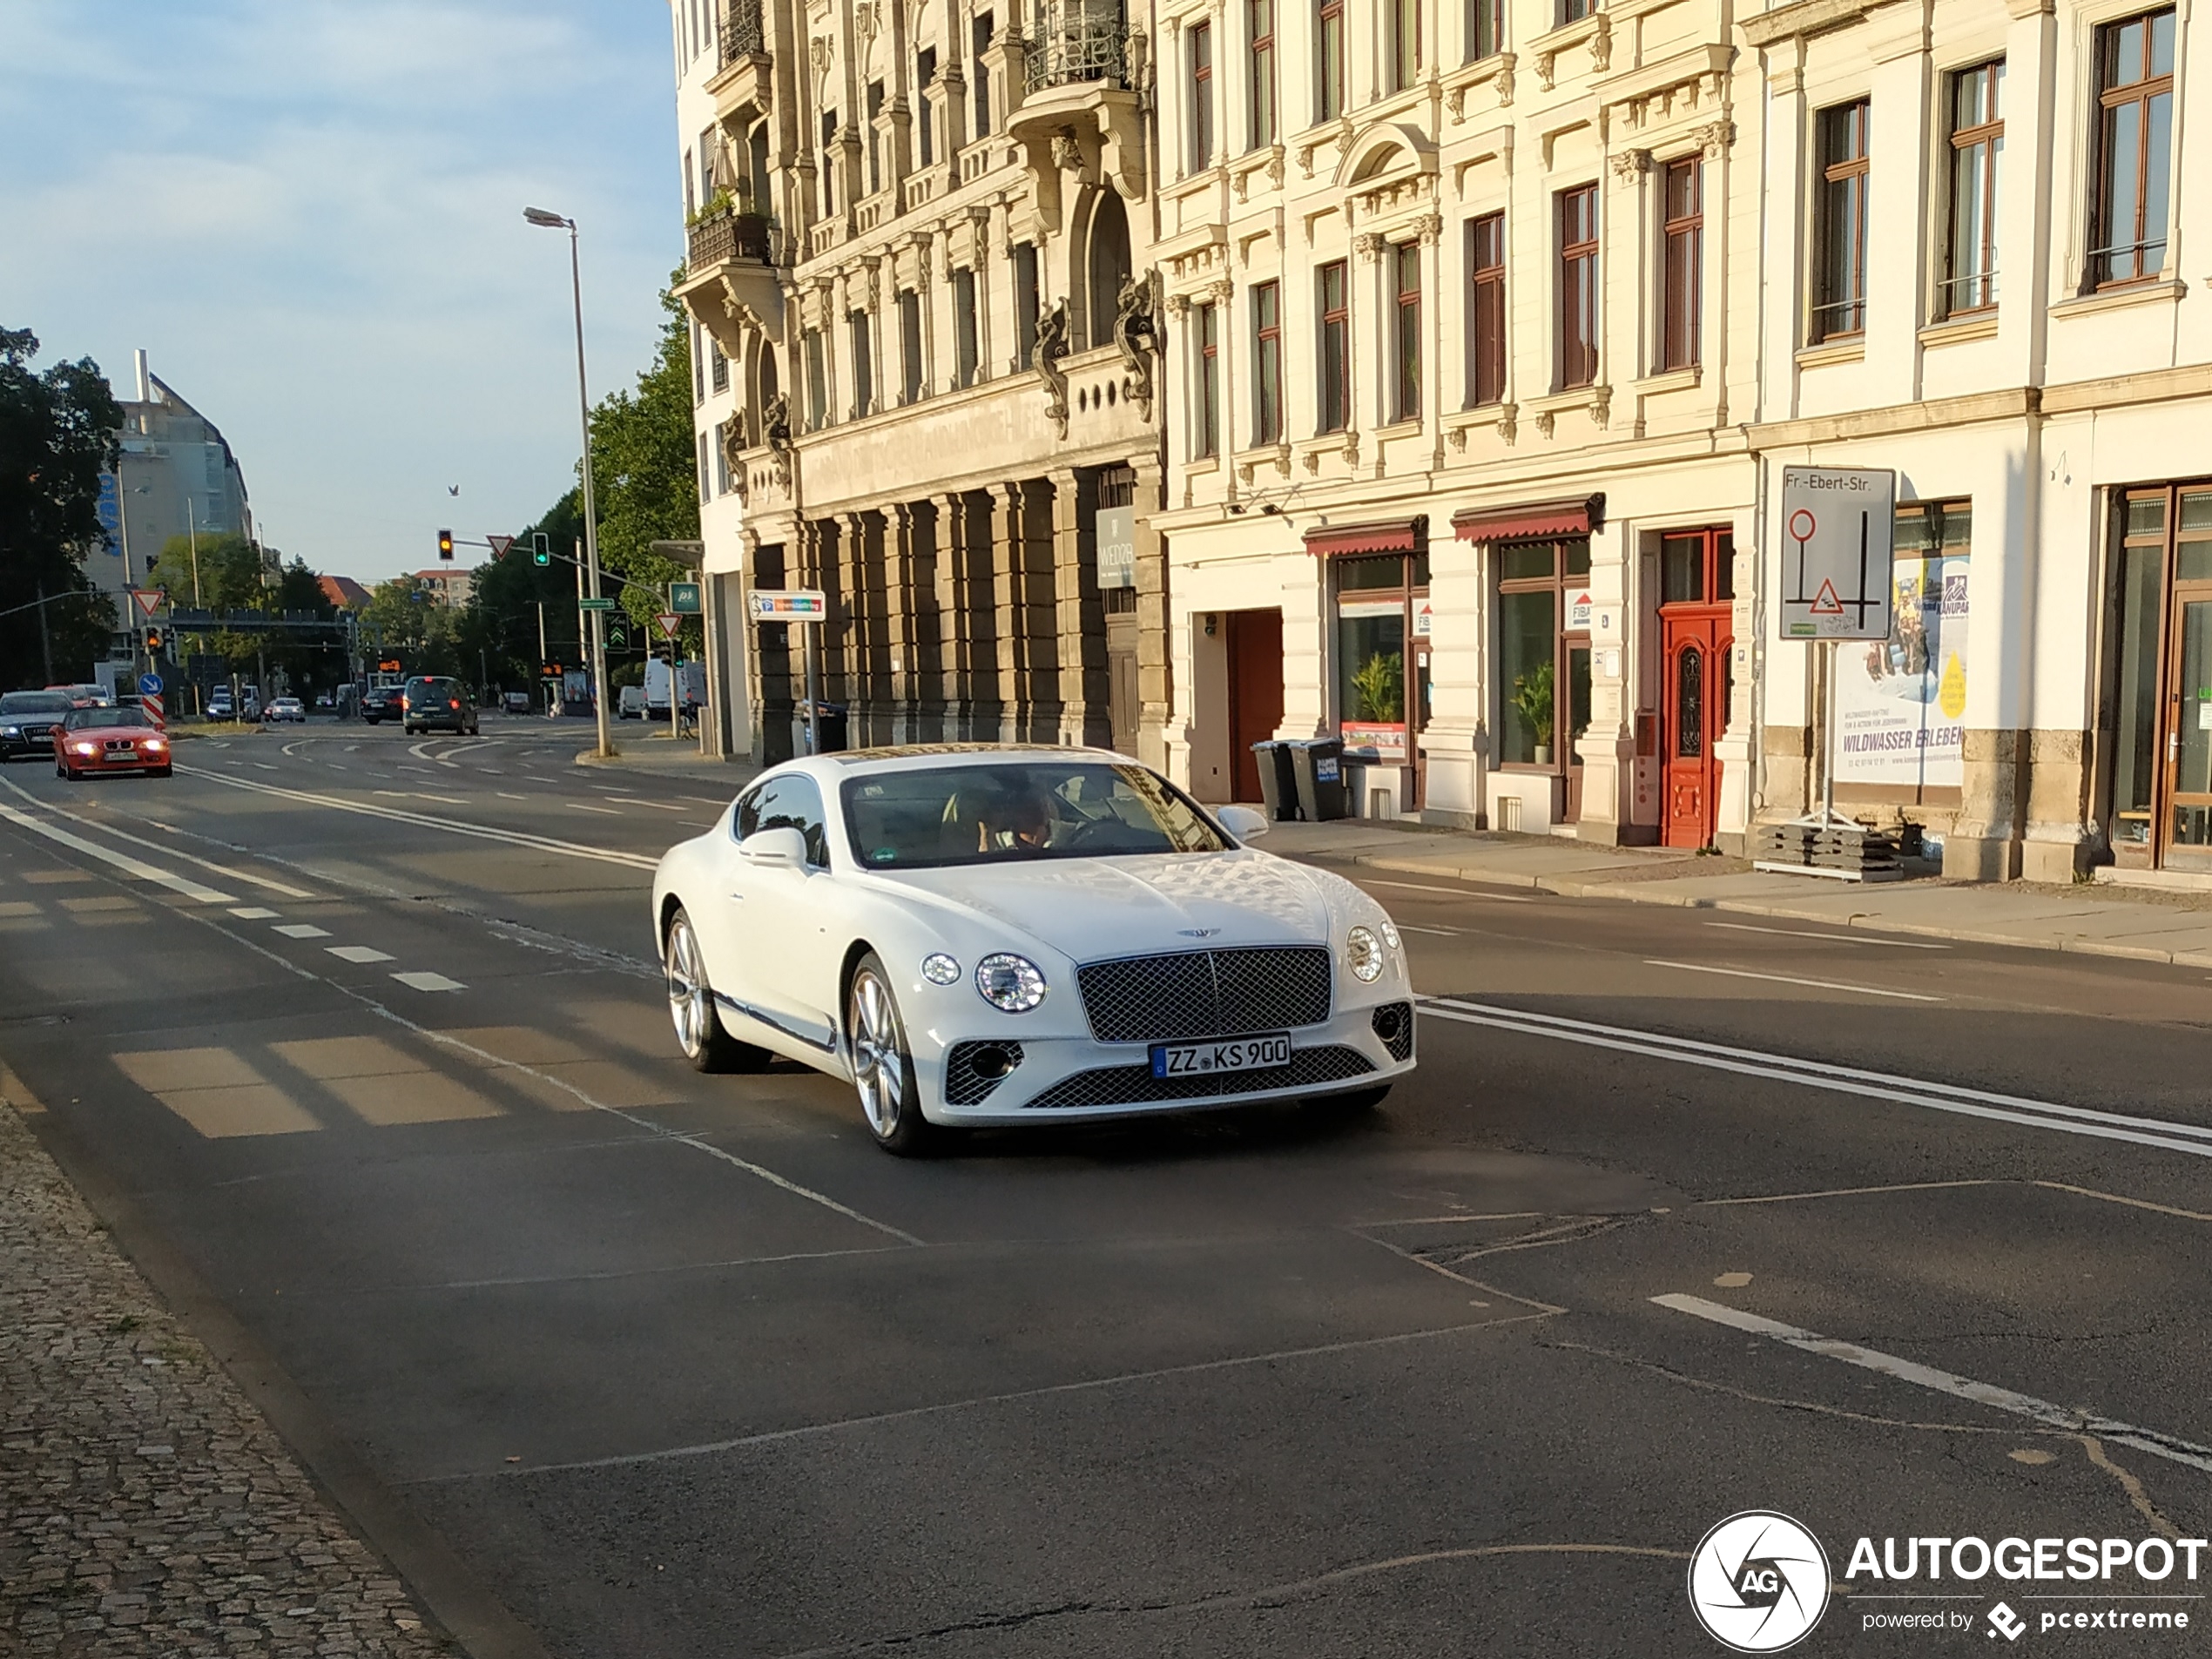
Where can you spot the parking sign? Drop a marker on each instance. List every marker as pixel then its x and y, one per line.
pixel 1837 524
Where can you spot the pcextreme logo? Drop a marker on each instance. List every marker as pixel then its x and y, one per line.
pixel 1758 1581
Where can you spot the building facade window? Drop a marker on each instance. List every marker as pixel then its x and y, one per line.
pixel 1328 60
pixel 1406 329
pixel 1578 324
pixel 817 404
pixel 1543 677
pixel 1029 303
pixel 721 459
pixel 718 366
pixel 1381 708
pixel 698 368
pixel 863 356
pixel 925 127
pixel 2134 149
pixel 967 335
pixel 1682 276
pixel 979 40
pixel 706 492
pixel 1839 230
pixel 1569 11
pixel 910 345
pixel 1205 436
pixel 1486 367
pixel 1201 96
pixel 1267 363
pixel 829 162
pixel 1404 44
pixel 1977 147
pixel 1485 29
pixel 1333 347
pixel 875 138
pixel 1260 19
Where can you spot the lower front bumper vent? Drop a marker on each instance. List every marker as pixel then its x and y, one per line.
pixel 1136 1086
pixel 1394 1025
pixel 974 1070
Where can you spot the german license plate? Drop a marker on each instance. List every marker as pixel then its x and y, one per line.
pixel 1238 1053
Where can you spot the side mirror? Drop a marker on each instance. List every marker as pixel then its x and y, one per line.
pixel 1245 823
pixel 775 849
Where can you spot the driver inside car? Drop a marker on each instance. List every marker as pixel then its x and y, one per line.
pixel 1016 821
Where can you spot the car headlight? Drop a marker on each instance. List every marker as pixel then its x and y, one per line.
pixel 155 743
pixel 10 732
pixel 85 748
pixel 1363 955
pixel 1012 984
pixel 1390 933
pixel 939 969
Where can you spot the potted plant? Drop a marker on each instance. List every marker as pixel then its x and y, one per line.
pixel 1379 686
pixel 1532 695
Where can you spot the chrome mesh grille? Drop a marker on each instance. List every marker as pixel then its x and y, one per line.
pixel 967 1086
pixel 1187 995
pixel 1136 1085
pixel 1393 1026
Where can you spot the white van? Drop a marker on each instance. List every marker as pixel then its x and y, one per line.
pixel 631 705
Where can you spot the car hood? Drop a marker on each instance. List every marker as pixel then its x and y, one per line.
pixel 1090 909
pixel 103 733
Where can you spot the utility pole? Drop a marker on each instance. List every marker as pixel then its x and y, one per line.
pixel 45 639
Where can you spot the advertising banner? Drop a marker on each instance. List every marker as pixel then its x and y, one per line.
pixel 1901 701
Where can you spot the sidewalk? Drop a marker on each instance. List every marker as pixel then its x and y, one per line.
pixel 636 751
pixel 2148 926
pixel 149 1510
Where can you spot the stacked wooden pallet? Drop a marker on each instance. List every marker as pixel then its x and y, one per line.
pixel 1833 848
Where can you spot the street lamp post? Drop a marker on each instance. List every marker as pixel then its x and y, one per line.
pixel 546 220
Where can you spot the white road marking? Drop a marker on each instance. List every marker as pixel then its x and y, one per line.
pixel 2172 1447
pixel 233 872
pixel 2165 1134
pixel 1453 892
pixel 292 747
pixel 252 912
pixel 122 861
pixel 418 794
pixel 1791 979
pixel 300 930
pixel 701 800
pixel 1833 939
pixel 504 795
pixel 606 811
pixel 1441 933
pixel 693 823
pixel 263 766
pixel 482 831
pixel 657 805
pixel 428 982
pixel 359 953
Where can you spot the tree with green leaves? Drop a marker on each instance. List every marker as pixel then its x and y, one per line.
pixel 644 468
pixel 59 431
pixel 220 572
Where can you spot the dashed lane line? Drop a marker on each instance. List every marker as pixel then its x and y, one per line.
pixel 455 827
pixel 1832 939
pixel 607 812
pixel 2165 1134
pixel 2156 1442
pixel 123 862
pixel 1793 979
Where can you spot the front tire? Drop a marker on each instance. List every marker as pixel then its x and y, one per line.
pixel 691 1006
pixel 883 1069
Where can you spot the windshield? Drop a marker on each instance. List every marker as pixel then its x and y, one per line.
pixel 36 703
pixel 995 813
pixel 78 719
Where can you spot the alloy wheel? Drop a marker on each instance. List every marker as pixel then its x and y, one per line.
pixel 690 998
pixel 878 1054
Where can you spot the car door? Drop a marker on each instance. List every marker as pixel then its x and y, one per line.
pixel 769 945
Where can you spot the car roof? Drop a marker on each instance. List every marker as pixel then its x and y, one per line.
pixel 923 757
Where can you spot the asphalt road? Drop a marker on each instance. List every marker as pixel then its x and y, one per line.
pixel 379 1077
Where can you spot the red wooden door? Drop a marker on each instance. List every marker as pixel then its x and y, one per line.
pixel 1696 647
pixel 1255 692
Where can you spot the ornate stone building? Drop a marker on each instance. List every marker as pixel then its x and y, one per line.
pixel 927 359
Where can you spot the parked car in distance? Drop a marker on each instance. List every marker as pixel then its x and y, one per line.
pixel 287 708
pixel 97 739
pixel 435 701
pixel 631 705
pixel 221 707
pixel 516 702
pixel 27 722
pixel 381 703
pixel 249 702
pixel 85 696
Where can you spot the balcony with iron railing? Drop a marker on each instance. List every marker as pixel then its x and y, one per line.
pixel 744 31
pixel 1079 40
pixel 727 233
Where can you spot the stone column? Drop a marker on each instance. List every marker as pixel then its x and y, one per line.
pixel 1008 632
pixel 898 564
pixel 1041 652
pixel 953 640
pixel 1154 686
pixel 1080 619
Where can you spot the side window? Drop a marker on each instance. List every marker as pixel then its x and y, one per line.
pixel 792 802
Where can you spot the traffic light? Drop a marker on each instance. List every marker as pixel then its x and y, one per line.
pixel 154 642
pixel 541 553
pixel 445 545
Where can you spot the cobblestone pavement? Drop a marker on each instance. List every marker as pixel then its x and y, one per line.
pixel 148 1507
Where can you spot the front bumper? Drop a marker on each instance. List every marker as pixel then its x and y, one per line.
pixel 130 759
pixel 34 744
pixel 1059 1077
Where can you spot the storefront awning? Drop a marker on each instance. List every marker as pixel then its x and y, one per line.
pixel 1577 515
pixel 1387 535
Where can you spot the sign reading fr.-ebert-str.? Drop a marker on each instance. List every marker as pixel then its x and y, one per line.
pixel 1835 528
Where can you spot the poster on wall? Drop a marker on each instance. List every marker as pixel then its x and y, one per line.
pixel 1386 738
pixel 1901 701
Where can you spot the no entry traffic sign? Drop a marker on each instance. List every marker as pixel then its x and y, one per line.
pixel 1837 524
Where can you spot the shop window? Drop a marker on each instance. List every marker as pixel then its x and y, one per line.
pixel 1378 602
pixel 1977 147
pixel 2161 785
pixel 2134 149
pixel 1839 232
pixel 1543 678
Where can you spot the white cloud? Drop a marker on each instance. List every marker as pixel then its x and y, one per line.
pixel 309 214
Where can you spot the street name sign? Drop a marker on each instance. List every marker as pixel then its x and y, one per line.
pixel 1837 524
pixel 684 598
pixel 671 624
pixel 595 604
pixel 791 605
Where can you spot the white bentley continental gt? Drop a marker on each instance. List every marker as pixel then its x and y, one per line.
pixel 979 935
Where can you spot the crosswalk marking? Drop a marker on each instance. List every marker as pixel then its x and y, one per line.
pixel 251 912
pixel 359 953
pixel 303 930
pixel 425 980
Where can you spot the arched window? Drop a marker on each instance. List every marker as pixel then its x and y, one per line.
pixel 1107 267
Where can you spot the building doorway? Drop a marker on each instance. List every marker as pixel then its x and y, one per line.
pixel 2161 789
pixel 1696 634
pixel 1543 662
pixel 1255 650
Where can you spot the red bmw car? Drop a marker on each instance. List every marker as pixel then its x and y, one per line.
pixel 90 740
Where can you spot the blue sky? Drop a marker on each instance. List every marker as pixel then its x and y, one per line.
pixel 309 214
